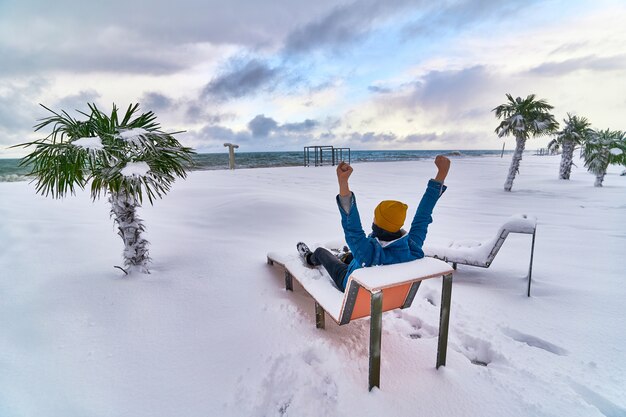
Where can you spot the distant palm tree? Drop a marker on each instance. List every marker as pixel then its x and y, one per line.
pixel 604 148
pixel 125 157
pixel 523 119
pixel 576 131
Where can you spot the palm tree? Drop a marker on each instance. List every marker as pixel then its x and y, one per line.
pixel 522 119
pixel 576 131
pixel 604 148
pixel 124 156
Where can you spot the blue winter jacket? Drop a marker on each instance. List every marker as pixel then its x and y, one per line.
pixel 368 250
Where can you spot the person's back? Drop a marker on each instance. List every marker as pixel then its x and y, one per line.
pixel 388 243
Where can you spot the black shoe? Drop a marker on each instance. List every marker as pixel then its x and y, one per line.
pixel 304 251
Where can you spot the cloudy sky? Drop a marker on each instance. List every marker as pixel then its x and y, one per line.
pixel 386 74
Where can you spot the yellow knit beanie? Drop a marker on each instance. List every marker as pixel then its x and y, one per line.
pixel 390 215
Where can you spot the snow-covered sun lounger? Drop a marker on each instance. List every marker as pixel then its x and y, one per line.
pixel 370 292
pixel 482 254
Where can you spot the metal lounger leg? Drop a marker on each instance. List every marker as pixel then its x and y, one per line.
pixel 319 316
pixel 288 281
pixel 376 325
pixel 444 319
pixel 530 267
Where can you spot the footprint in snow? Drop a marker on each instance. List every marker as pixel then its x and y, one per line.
pixel 605 406
pixel 431 296
pixel 292 381
pixel 479 351
pixel 534 341
pixel 418 328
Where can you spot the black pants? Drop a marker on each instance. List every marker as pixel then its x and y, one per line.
pixel 335 267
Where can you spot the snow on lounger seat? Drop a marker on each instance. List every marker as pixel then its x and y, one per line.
pixel 482 254
pixel 370 291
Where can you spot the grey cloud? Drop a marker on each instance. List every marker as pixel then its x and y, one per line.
pixel 76 102
pixel 339 27
pixel 305 126
pixel 452 91
pixel 343 25
pixel 438 88
pixel 212 136
pixel 19 111
pixel 459 14
pixel 569 47
pixel 198 112
pixel 420 137
pixel 122 36
pixel 379 90
pixel 323 86
pixel 262 126
pixel 220 133
pixel 88 58
pixel 245 78
pixel 371 137
pixel 445 96
pixel 156 101
pixel 195 111
pixel 331 123
pixel 589 63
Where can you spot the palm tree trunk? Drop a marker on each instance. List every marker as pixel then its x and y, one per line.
pixel 599 179
pixel 566 160
pixel 520 143
pixel 130 227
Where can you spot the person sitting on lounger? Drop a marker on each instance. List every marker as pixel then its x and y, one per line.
pixel 388 243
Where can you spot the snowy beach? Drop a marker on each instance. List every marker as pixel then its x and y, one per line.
pixel 212 330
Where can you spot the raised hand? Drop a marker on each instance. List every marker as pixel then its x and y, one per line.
pixel 344 171
pixel 443 166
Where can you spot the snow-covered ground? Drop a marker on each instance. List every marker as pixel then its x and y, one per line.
pixel 212 330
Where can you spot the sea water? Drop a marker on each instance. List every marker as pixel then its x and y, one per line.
pixel 11 171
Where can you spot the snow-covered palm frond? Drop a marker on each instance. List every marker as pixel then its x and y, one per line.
pixel 575 129
pixel 525 117
pixel 99 148
pixel 554 146
pixel 602 149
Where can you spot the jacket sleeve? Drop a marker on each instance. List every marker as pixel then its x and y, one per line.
pixel 362 248
pixel 423 215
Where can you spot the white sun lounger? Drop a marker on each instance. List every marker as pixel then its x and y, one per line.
pixel 370 292
pixel 482 254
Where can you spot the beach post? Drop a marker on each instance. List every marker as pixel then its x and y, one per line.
pixel 530 266
pixel 319 316
pixel 444 320
pixel 376 326
pixel 231 154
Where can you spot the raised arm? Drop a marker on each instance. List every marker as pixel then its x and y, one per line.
pixel 423 215
pixel 356 239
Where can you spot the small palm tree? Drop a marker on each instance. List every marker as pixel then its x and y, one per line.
pixel 576 131
pixel 124 156
pixel 523 119
pixel 604 148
